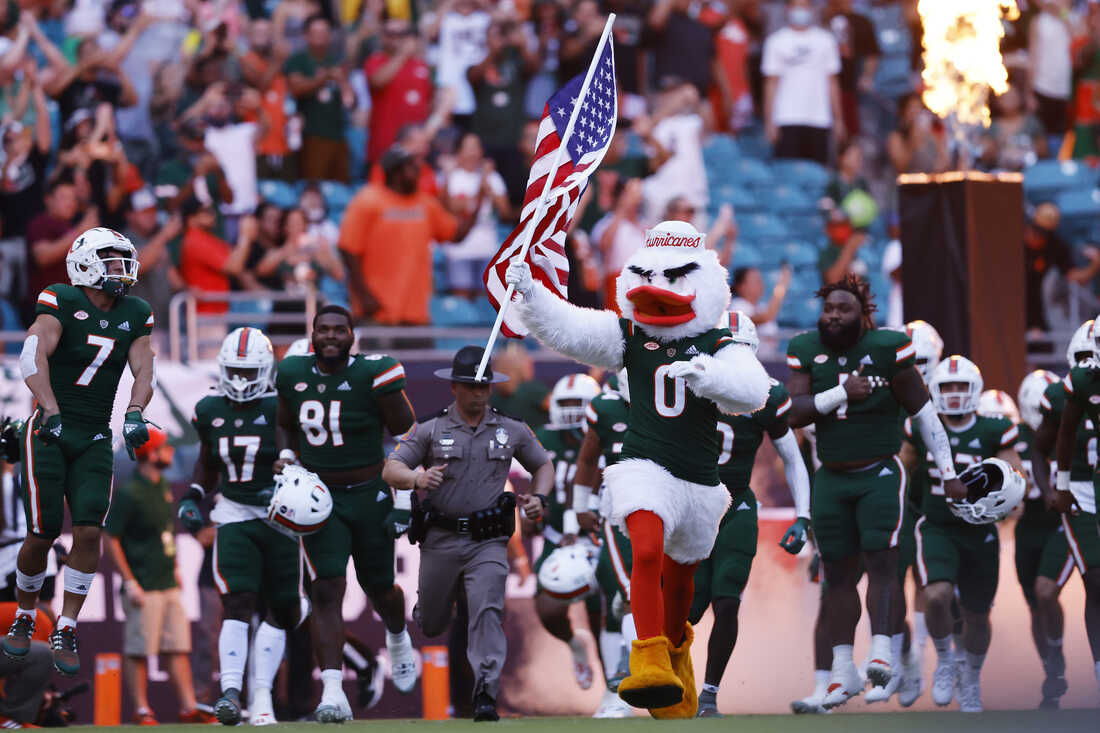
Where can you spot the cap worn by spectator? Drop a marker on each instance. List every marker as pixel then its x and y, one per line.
pixel 142 200
pixel 395 157
pixel 79 115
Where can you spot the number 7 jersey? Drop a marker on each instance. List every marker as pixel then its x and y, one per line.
pixel 240 438
pixel 338 418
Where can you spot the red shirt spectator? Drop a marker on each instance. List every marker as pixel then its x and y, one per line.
pixel 206 261
pixel 50 235
pixel 400 86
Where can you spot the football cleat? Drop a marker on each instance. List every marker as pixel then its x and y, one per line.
pixel 844 684
pixel 970 691
pixel 943 682
pixel 64 647
pixel 613 706
pixel 402 663
pixel 228 707
pixel 262 710
pixel 878 673
pixel 369 683
pixel 912 681
pixel 18 641
pixel 810 705
pixel 879 693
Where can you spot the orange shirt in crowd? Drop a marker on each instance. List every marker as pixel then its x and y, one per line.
pixel 392 236
pixel 426 182
pixel 202 257
pixel 273 106
pixel 43 627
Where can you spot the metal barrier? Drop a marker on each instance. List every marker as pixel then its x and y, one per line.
pixel 185 323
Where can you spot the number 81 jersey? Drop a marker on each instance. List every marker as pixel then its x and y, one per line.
pixel 240 438
pixel 337 414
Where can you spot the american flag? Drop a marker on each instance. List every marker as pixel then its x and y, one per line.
pixel 583 150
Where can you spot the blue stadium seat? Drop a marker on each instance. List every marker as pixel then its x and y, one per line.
pixel 449 310
pixel 747 254
pixel 720 151
pixel 1047 178
pixel 746 172
pixel 763 226
pixel 337 195
pixel 282 194
pixel 807 227
pixel 800 310
pixel 786 199
pixel 731 193
pixel 356 138
pixel 1079 204
pixel 799 254
pixel 440 282
pixel 806 174
pixel 486 313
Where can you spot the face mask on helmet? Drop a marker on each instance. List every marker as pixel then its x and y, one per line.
pixel 245 364
pixel 569 399
pixel 956 386
pixel 1082 346
pixel 104 259
pixel 1031 396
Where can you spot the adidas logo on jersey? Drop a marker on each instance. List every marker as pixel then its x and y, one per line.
pixel 99 436
pixel 383 495
pixel 261 420
pixel 344 387
pixel 990 538
pixel 885 472
pixel 692 351
pixel 974 444
pixel 743 505
pixel 866 360
pixel 124 326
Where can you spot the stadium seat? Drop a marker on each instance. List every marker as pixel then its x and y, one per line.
pixel 337 195
pixel 799 254
pixel 356 138
pixel 747 254
pixel 731 193
pixel 449 310
pixel 1047 178
pixel 811 177
pixel 282 194
pixel 763 226
pixel 486 313
pixel 800 310
pixel 719 151
pixel 787 199
pixel 1078 204
pixel 746 172
pixel 440 282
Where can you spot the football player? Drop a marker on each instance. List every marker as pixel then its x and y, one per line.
pixel 333 408
pixel 82 337
pixel 953 554
pixel 852 380
pixel 562 437
pixel 1075 496
pixel 721 578
pixel 237 449
pixel 608 417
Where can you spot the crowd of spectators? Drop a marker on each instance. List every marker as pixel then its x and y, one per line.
pixel 377 152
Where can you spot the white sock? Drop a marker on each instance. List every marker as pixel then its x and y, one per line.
pixel 26 612
pixel 267 654
pixel 611 645
pixel 64 622
pixel 920 633
pixel 842 656
pixel 975 660
pixel 399 640
pixel 943 648
pixel 957 641
pixel 630 633
pixel 233 653
pixel 821 681
pixel 880 648
pixel 261 701
pixel 897 643
pixel 332 690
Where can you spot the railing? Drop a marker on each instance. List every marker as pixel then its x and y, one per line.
pixel 185 322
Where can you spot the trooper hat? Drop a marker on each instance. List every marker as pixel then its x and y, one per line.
pixel 464 368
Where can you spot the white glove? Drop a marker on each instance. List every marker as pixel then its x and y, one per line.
pixel 690 371
pixel 519 275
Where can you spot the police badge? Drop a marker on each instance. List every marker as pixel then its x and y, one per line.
pixel 502 436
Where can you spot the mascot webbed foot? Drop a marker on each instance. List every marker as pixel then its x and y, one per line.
pixel 680 657
pixel 652 683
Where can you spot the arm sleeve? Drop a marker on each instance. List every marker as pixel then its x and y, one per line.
pixel 1009 435
pixel 798 478
pixel 771 64
pixel 797 358
pixel 529 451
pixel 735 381
pixel 147 321
pixel 412 447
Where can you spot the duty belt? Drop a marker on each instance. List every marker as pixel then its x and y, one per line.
pixel 497 520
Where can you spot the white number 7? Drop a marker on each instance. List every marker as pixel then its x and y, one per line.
pixel 106 346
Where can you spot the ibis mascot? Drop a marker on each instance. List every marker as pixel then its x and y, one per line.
pixel 683 368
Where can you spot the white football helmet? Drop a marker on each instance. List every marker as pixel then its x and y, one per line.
pixel 569 573
pixel 928 345
pixel 300 347
pixel 743 330
pixel 1082 346
pixel 88 269
pixel 571 387
pixel 952 370
pixel 1030 395
pixel 998 403
pixel 301 502
pixel 246 365
pixel 993 488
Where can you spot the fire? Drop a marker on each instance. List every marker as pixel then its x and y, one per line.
pixel 962 56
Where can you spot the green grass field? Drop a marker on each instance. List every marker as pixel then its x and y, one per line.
pixel 1067 721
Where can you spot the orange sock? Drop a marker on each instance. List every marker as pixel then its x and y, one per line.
pixel 647 538
pixel 678 589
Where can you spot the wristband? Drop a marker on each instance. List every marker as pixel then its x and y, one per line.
pixel 829 400
pixel 594 503
pixel 286 454
pixel 582 496
pixel 402 499
pixel 569 523
pixel 1062 481
pixel 195 492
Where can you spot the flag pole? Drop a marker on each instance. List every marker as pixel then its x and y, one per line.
pixel 540 208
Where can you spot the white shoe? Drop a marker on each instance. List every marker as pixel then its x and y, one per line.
pixel 879 673
pixel 613 706
pixel 262 711
pixel 879 693
pixel 582 670
pixel 334 708
pixel 844 684
pixel 943 682
pixel 810 705
pixel 970 691
pixel 402 663
pixel 912 681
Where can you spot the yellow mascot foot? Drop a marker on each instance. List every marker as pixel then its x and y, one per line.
pixel 652 683
pixel 680 657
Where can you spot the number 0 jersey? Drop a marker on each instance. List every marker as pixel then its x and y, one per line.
pixel 669 424
pixel 742 435
pixel 339 421
pixel 241 438
pixel 861 430
pixel 609 415
pixel 87 364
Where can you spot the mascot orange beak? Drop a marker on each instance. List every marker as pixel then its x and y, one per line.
pixel 657 307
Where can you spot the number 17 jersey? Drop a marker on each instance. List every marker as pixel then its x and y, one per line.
pixel 241 440
pixel 338 417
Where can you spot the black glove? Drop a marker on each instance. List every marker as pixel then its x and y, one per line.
pixel 9 439
pixel 49 432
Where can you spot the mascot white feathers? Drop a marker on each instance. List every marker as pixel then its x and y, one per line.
pixel 682 369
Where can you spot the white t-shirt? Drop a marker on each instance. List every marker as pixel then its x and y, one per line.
pixel 628 238
pixel 683 174
pixel 803 60
pixel 482 239
pixel 1053 72
pixel 461 45
pixel 233 146
pixel 891 260
pixel 771 328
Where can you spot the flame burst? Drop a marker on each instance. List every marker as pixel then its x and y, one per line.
pixel 962 56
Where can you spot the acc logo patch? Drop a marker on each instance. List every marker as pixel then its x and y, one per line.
pixel 300 387
pixel 1095 399
pixel 320 388
pixel 218 422
pixel 103 323
pixel 652 345
pixel 821 359
pixel 238 422
pixel 374 357
pixel 81 315
pixel 619 427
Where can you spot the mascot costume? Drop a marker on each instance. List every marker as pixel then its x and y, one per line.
pixel 665 493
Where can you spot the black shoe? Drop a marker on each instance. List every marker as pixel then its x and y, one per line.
pixel 485 708
pixel 228 707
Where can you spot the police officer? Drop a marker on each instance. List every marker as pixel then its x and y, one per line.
pixel 464 524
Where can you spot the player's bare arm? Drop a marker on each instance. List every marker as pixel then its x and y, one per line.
pixel 397 412
pixel 587 480
pixel 1067 438
pixel 41 341
pixel 909 390
pixel 1012 458
pixel 286 435
pixel 1042 452
pixel 141 360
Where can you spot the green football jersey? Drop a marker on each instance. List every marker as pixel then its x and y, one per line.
pixel 1035 509
pixel 670 424
pixel 1053 405
pixel 563 446
pixel 864 430
pixel 87 364
pixel 609 415
pixel 337 415
pixel 984 438
pixel 742 435
pixel 241 437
